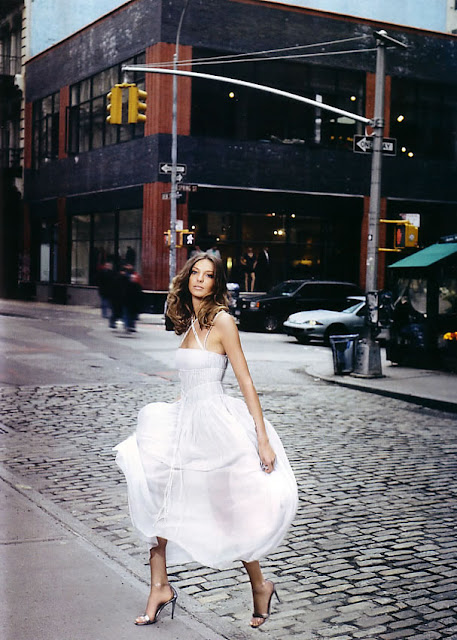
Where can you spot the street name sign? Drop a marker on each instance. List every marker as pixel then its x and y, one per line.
pixel 168 196
pixel 364 144
pixel 188 187
pixel 166 167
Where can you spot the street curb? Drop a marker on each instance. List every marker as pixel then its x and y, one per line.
pixel 208 624
pixel 429 403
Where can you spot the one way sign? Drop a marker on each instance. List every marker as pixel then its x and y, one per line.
pixel 364 144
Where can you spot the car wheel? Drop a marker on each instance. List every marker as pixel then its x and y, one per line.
pixel 271 323
pixel 334 330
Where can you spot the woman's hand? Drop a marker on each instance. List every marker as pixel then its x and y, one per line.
pixel 267 456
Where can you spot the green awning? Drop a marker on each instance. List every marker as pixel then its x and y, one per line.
pixel 427 257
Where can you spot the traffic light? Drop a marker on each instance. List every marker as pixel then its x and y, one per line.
pixel 137 105
pixel 114 106
pixel 406 235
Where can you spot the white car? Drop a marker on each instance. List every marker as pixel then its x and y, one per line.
pixel 321 324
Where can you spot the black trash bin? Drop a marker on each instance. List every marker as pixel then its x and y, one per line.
pixel 343 351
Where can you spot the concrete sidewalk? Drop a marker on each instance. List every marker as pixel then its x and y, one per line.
pixel 434 389
pixel 58 585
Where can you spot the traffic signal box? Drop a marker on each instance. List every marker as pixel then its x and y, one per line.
pixel 114 106
pixel 406 235
pixel 184 238
pixel 136 104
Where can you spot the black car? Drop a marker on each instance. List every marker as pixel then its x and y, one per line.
pixel 268 311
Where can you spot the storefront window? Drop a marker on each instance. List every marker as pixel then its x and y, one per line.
pixel 130 236
pixel 80 249
pixel 98 237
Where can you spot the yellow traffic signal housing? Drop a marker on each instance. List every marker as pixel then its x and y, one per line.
pixel 137 105
pixel 114 106
pixel 406 235
pixel 411 236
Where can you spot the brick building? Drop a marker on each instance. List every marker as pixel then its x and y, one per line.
pixel 268 171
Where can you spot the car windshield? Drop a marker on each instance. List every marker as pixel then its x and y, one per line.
pixel 353 308
pixel 284 289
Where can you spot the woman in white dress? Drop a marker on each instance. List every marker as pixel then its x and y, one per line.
pixel 208 479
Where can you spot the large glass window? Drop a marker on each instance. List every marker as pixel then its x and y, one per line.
pixel 221 110
pixel 45 146
pixel 97 237
pixel 424 118
pixel 87 126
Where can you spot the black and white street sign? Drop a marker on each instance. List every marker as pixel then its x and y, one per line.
pixel 364 144
pixel 168 196
pixel 188 187
pixel 166 167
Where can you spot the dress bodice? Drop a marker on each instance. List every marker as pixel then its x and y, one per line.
pixel 200 370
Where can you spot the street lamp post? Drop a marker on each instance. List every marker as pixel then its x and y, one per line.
pixel 174 154
pixel 368 362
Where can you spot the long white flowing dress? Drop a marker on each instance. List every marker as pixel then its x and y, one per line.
pixel 193 472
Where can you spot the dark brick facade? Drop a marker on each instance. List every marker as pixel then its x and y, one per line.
pixel 231 26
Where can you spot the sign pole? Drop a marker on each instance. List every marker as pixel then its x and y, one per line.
pixel 368 358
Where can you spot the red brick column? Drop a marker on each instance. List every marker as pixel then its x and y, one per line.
pixel 156 212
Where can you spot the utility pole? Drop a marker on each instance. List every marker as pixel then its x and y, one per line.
pixel 368 362
pixel 174 155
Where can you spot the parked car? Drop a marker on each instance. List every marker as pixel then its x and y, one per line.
pixel 321 324
pixel 268 311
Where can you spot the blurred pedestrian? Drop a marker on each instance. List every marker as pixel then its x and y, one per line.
pixel 131 294
pixel 249 262
pixel 105 278
pixel 263 270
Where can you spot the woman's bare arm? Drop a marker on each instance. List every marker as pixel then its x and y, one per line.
pixel 226 332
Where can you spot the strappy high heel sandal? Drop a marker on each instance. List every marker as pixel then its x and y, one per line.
pixel 145 619
pixel 264 616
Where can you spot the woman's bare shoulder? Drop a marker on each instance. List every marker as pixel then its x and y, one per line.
pixel 223 320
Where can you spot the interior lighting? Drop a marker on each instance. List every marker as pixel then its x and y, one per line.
pixel 400 118
pixel 292 215
pixel 410 154
pixel 403 149
pixel 353 98
pixel 231 94
pixel 193 227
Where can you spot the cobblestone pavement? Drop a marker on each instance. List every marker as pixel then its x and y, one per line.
pixel 372 552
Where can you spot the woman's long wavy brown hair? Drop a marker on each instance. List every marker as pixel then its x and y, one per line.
pixel 179 300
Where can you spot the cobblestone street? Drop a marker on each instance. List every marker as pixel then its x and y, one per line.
pixel 373 550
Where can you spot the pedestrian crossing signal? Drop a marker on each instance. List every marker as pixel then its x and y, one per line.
pixel 406 235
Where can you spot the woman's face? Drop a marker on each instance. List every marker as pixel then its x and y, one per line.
pixel 201 279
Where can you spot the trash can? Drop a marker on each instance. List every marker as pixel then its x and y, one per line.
pixel 343 351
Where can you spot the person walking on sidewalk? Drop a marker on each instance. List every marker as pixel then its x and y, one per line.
pixel 208 478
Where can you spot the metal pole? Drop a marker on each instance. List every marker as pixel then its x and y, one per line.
pixel 174 155
pixel 376 169
pixel 368 360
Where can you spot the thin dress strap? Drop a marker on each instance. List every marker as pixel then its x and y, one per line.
pixel 211 326
pixel 196 336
